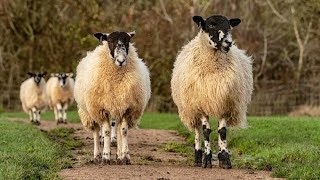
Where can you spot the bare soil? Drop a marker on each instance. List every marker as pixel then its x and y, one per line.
pixel 148 159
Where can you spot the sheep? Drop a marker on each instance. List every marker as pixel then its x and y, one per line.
pixel 60 94
pixel 212 77
pixel 33 96
pixel 112 83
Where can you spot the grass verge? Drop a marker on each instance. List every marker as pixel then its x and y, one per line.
pixel 27 153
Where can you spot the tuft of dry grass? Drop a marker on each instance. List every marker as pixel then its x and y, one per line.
pixel 306 110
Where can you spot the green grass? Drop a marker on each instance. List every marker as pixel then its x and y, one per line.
pixel 48 115
pixel 290 147
pixel 27 153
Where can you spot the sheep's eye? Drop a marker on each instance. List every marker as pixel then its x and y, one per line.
pixel 212 25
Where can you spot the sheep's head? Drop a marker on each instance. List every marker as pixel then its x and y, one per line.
pixel 217 28
pixel 37 76
pixel 118 43
pixel 62 78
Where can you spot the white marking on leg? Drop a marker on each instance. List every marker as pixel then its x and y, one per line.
pixel 222 142
pixel 96 144
pixel 206 127
pixel 197 139
pixel 106 144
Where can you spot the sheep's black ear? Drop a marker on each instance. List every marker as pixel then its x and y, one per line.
pixel 101 37
pixel 43 74
pixel 30 74
pixel 234 22
pixel 131 34
pixel 199 21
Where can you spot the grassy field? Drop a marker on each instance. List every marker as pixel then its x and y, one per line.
pixel 289 147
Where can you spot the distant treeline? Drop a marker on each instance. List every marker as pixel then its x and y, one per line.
pixel 282 37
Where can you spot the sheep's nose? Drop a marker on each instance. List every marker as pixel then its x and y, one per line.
pixel 229 43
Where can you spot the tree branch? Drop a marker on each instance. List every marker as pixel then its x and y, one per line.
pixel 166 15
pixel 283 19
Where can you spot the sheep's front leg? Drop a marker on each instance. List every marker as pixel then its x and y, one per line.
pixel 119 144
pixel 113 133
pixel 36 115
pixel 125 158
pixel 64 113
pixel 223 155
pixel 60 111
pixel 106 144
pixel 96 144
pixel 197 148
pixel 207 147
pixel 55 110
pixel 31 116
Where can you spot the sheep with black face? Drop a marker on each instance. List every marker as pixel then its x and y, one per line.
pixel 33 96
pixel 212 78
pixel 60 94
pixel 112 83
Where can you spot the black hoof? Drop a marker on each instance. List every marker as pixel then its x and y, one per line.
pixel 65 122
pixel 96 161
pixel 37 123
pixel 124 161
pixel 106 161
pixel 198 158
pixel 224 160
pixel 119 162
pixel 207 160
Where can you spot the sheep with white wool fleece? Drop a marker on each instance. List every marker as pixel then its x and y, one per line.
pixel 33 96
pixel 60 94
pixel 212 77
pixel 112 83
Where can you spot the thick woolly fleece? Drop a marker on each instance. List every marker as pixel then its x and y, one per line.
pixel 56 94
pixel 103 89
pixel 208 82
pixel 33 95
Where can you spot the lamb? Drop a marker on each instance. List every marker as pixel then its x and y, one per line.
pixel 212 77
pixel 112 84
pixel 60 94
pixel 33 96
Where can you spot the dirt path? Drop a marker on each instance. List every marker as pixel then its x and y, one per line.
pixel 149 160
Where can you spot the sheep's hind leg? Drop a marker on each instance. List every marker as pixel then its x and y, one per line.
pixel 207 147
pixel 197 148
pixel 223 155
pixel 96 144
pixel 113 133
pixel 106 144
